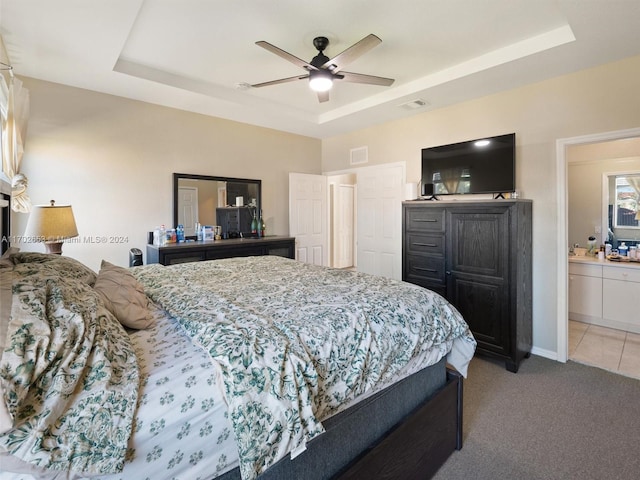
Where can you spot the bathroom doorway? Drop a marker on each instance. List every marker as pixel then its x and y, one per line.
pixel 566 148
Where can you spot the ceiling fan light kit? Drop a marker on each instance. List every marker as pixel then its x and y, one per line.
pixel 322 70
pixel 320 81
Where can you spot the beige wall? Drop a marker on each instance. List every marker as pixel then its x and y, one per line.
pixel 596 100
pixel 112 159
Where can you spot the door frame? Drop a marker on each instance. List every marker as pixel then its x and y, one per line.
pixel 356 171
pixel 562 246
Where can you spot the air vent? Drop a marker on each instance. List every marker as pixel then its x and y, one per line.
pixel 359 155
pixel 414 104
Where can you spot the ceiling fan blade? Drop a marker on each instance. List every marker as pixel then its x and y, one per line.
pixel 282 80
pixel 369 79
pixel 323 96
pixel 341 60
pixel 286 55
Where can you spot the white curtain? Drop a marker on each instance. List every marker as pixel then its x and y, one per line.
pixel 635 183
pixel 14 104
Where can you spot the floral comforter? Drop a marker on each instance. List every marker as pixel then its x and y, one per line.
pixel 68 372
pixel 296 342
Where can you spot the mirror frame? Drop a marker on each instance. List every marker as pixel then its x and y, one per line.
pixel 189 176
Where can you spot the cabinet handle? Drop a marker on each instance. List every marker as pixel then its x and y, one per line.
pixel 448 272
pixel 430 270
pixel 418 244
pixel 430 220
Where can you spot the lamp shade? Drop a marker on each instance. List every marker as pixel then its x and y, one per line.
pixel 51 223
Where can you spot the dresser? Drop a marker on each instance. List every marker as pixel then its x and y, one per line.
pixel 184 252
pixel 477 254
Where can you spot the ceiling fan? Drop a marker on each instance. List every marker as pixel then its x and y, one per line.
pixel 322 70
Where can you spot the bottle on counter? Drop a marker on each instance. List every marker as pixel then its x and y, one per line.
pixel 163 236
pixel 607 249
pixel 623 249
pixel 262 226
pixel 254 225
pixel 591 245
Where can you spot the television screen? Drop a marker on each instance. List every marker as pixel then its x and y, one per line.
pixel 484 165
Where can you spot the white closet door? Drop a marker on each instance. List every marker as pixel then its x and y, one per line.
pixel 379 220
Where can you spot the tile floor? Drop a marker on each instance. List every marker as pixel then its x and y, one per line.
pixel 614 350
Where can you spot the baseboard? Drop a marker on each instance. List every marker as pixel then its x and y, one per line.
pixel 541 352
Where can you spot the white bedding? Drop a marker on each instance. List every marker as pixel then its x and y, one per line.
pixel 182 428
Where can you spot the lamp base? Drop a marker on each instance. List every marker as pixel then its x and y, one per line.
pixel 53 247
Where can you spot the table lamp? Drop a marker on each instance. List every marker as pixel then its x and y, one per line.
pixel 51 224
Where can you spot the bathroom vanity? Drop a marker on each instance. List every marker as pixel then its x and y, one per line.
pixel 606 293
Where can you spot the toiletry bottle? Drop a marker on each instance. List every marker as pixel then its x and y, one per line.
pixel 591 246
pixel 623 250
pixel 163 236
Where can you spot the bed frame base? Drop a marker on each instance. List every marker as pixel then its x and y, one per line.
pixel 417 447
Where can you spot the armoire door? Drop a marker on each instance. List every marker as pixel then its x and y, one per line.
pixel 477 273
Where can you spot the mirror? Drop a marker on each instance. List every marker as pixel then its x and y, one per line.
pixel 621 208
pixel 198 198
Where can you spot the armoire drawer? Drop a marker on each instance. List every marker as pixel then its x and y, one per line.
pixel 425 219
pixel 425 243
pixel 426 266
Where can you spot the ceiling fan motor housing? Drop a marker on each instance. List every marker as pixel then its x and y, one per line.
pixel 319 60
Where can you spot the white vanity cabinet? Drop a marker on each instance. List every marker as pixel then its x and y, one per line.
pixel 621 297
pixel 606 294
pixel 585 292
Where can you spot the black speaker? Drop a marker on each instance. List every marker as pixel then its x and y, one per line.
pixel 427 189
pixel 135 257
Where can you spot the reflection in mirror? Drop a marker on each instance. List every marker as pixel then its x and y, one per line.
pixel 199 198
pixel 623 209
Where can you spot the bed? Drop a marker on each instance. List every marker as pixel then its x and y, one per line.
pixel 243 368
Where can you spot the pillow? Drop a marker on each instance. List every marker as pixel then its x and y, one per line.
pixel 123 296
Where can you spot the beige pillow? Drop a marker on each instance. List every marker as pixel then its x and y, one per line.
pixel 123 296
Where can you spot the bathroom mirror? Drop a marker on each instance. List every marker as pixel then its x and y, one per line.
pixel 196 198
pixel 621 208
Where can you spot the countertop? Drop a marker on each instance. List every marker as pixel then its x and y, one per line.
pixel 586 259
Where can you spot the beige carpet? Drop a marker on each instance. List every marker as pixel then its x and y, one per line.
pixel 548 421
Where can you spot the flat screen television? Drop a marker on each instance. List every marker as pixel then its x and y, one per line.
pixel 485 165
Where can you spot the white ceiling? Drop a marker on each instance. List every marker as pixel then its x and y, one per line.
pixel 193 54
